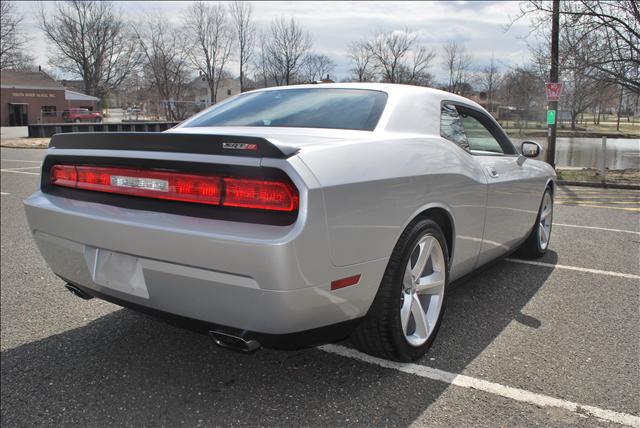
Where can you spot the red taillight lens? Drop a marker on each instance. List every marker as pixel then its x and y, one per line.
pixel 64 175
pixel 177 186
pixel 260 194
pixel 136 182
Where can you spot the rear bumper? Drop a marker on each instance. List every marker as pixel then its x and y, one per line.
pixel 267 280
pixel 295 340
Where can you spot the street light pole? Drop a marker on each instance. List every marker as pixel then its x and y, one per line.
pixel 553 78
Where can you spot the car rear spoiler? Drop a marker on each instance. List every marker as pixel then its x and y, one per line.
pixel 230 145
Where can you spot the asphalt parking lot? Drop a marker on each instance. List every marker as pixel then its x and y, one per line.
pixel 555 342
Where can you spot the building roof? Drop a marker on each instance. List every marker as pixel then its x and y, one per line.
pixel 28 80
pixel 77 96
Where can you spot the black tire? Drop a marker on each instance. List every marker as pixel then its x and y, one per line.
pixel 531 247
pixel 380 333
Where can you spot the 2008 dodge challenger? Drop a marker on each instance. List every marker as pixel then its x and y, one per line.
pixel 297 215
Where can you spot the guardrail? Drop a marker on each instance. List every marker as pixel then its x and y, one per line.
pixel 44 130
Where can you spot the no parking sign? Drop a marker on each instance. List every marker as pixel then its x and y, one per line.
pixel 553 91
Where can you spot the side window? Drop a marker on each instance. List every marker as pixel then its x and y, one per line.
pixel 478 136
pixel 451 126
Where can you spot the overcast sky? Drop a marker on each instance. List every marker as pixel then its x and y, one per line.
pixel 332 25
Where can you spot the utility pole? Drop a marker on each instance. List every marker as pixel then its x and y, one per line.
pixel 553 78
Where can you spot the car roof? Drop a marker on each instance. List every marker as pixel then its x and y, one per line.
pixel 409 109
pixel 390 88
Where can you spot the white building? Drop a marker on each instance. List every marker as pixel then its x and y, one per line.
pixel 198 90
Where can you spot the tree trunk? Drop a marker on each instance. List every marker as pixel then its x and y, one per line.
pixel 212 92
pixel 619 108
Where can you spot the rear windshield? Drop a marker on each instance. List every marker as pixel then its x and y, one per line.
pixel 356 109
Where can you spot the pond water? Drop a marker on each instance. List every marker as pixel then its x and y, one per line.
pixel 621 153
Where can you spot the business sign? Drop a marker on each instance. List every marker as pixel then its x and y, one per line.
pixel 553 91
pixel 551 117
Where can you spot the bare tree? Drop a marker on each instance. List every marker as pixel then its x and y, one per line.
pixel 165 62
pixel 397 57
pixel 490 79
pixel 388 50
pixel 522 89
pixel 12 39
pixel 457 63
pixel 241 13
pixel 207 29
pixel 360 55
pixel 415 71
pixel 286 50
pixel 90 39
pixel 615 24
pixel 262 62
pixel 316 67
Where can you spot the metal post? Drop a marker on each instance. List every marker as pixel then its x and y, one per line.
pixel 553 78
pixel 603 160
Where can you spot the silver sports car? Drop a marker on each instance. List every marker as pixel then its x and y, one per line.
pixel 292 216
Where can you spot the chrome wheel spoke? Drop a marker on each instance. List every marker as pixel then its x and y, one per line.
pixel 543 233
pixel 405 313
pixel 424 248
pixel 431 284
pixel 422 327
pixel 407 280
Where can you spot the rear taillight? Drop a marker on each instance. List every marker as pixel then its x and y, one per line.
pixel 273 195
pixel 259 194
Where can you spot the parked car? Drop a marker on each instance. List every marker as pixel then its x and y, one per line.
pixel 81 115
pixel 295 215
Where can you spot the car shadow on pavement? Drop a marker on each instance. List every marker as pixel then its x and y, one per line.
pixel 480 308
pixel 130 369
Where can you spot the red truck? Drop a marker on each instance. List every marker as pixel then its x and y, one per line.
pixel 81 115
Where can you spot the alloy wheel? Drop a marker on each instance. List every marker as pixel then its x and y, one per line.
pixel 546 219
pixel 423 287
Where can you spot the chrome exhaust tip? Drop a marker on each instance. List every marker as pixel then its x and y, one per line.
pixel 236 343
pixel 75 290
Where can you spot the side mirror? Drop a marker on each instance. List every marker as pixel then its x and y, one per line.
pixel 530 149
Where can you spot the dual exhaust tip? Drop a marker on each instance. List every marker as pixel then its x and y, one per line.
pixel 236 343
pixel 224 340
pixel 78 292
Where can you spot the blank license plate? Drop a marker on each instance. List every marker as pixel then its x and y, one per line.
pixel 120 272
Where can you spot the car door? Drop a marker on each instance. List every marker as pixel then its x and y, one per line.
pixel 511 209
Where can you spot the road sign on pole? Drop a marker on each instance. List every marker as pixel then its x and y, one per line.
pixel 553 91
pixel 553 81
pixel 551 117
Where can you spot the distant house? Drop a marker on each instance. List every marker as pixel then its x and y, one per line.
pixel 29 97
pixel 34 97
pixel 198 90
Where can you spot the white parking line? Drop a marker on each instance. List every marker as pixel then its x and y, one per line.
pixel 19 172
pixel 469 382
pixel 576 268
pixel 4 193
pixel 596 228
pixel 21 167
pixel 20 160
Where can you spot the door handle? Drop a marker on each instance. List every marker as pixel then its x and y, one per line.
pixel 492 172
